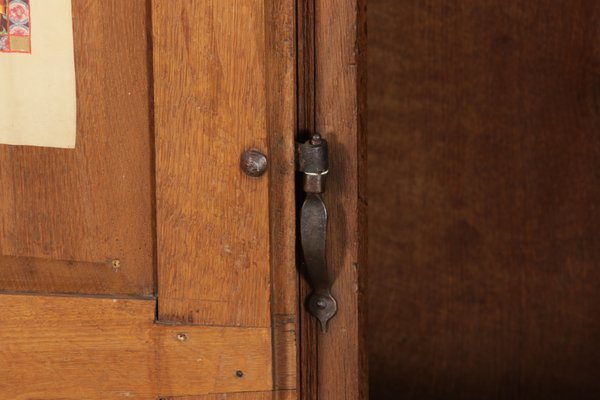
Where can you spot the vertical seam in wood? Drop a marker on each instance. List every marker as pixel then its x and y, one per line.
pixel 280 28
pixel 150 33
pixel 306 81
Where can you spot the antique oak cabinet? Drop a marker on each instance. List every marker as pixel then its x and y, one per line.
pixel 145 263
pixel 484 184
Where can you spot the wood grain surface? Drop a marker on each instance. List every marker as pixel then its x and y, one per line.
pixel 222 81
pixel 280 25
pixel 39 275
pixel 484 156
pixel 212 219
pixel 278 395
pixel 308 351
pixel 92 204
pixel 332 103
pixel 92 348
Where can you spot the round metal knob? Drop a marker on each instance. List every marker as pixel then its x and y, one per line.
pixel 253 163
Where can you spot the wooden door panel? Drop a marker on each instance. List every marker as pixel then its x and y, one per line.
pixel 210 99
pixel 485 160
pixel 331 71
pixel 85 221
pixel 68 214
pixel 279 395
pixel 91 348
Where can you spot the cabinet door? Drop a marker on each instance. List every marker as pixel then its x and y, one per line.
pixel 138 265
pixel 484 199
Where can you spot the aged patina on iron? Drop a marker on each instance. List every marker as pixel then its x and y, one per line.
pixel 253 163
pixel 312 161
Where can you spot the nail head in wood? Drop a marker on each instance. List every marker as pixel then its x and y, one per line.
pixel 182 337
pixel 253 163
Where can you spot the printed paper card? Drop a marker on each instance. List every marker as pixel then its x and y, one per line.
pixel 37 73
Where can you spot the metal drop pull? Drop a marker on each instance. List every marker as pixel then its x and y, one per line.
pixel 312 161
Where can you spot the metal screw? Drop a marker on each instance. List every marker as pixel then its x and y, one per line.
pixel 321 304
pixel 239 374
pixel 253 163
pixel 316 139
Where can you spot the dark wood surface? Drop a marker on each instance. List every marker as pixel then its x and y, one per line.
pixel 340 28
pixel 484 199
pixel 308 351
pixel 332 69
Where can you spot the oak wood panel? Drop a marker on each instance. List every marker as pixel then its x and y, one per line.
pixel 278 395
pixel 210 359
pixel 280 25
pixel 338 88
pixel 308 325
pixel 92 204
pixel 212 220
pixel 484 156
pixel 38 275
pixel 102 348
pixel 285 354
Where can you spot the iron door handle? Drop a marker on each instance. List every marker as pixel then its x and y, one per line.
pixel 312 161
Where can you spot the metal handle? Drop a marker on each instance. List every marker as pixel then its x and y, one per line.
pixel 312 161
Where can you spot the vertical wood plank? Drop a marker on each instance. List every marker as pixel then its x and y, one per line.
pixel 212 220
pixel 340 31
pixel 280 27
pixel 308 326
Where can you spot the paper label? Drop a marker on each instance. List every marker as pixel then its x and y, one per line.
pixel 37 73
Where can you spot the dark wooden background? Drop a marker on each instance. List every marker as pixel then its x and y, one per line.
pixel 484 192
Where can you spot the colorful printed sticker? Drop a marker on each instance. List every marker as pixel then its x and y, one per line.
pixel 15 26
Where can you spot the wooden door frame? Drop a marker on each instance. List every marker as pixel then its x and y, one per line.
pixel 332 101
pixel 315 79
pixel 218 69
